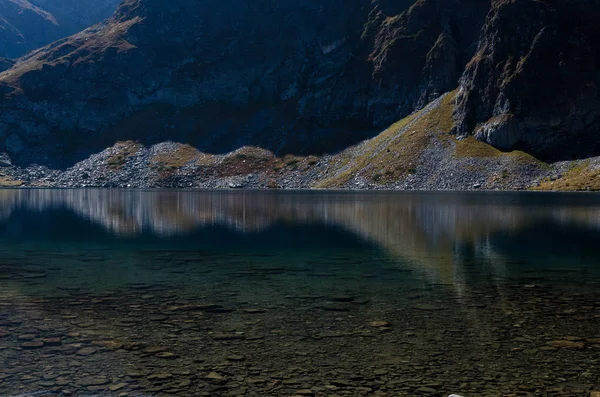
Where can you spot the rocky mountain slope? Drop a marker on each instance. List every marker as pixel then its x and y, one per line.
pixel 302 81
pixel 26 25
pixel 302 77
pixel 417 153
pixel 533 83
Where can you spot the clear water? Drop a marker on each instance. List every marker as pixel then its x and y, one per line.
pixel 241 293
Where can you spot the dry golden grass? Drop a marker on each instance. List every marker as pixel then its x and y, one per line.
pixel 123 151
pixel 249 153
pixel 579 178
pixel 471 147
pixel 178 158
pixel 396 151
pixel 7 181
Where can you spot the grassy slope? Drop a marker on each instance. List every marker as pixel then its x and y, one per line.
pixel 403 148
pixel 582 175
pixel 418 152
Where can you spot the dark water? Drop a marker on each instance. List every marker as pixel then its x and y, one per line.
pixel 152 293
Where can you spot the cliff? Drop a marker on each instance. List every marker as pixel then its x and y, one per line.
pixel 533 83
pixel 303 77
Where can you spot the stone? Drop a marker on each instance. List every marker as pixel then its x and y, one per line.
pixel 160 376
pixel 108 344
pixel 5 160
pixel 184 383
pixel 573 338
pixel 215 377
pixel 117 387
pixel 253 311
pixel 256 381
pixel 567 344
pixel 304 392
pixel 37 344
pixel 167 355
pixel 86 351
pixel 154 349
pixel 340 383
pixel 380 324
pixel 595 394
pixel 236 357
pixel 3 333
pixel 93 381
pixel 136 374
pixel 52 341
pixel 27 337
pixel 222 336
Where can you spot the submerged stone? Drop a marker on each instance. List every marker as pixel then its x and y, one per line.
pixel 117 387
pixel 380 324
pixel 87 351
pixel 52 341
pixel 567 344
pixel 214 376
pixel 32 345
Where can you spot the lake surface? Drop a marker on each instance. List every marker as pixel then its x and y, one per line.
pixel 241 293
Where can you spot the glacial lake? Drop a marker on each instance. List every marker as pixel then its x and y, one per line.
pixel 246 293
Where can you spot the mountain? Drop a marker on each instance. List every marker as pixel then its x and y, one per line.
pixel 27 25
pixel 317 79
pixel 534 81
pixel 304 77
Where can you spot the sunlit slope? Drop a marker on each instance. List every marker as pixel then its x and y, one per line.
pixel 420 152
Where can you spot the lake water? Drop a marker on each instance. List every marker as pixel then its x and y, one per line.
pixel 241 293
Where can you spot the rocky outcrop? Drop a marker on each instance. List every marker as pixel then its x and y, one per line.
pixel 27 25
pixel 533 83
pixel 298 77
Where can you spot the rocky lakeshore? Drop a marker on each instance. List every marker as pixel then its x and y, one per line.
pixel 417 153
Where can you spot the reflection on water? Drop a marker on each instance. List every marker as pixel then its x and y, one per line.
pixel 298 293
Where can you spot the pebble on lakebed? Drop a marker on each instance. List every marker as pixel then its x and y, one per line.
pixel 290 346
pixel 380 324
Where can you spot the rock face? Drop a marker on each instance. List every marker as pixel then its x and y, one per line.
pixel 305 77
pixel 289 76
pixel 533 83
pixel 27 25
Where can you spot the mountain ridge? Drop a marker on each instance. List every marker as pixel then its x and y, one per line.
pixel 313 87
pixel 311 79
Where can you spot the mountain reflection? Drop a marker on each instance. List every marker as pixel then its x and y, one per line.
pixel 434 231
